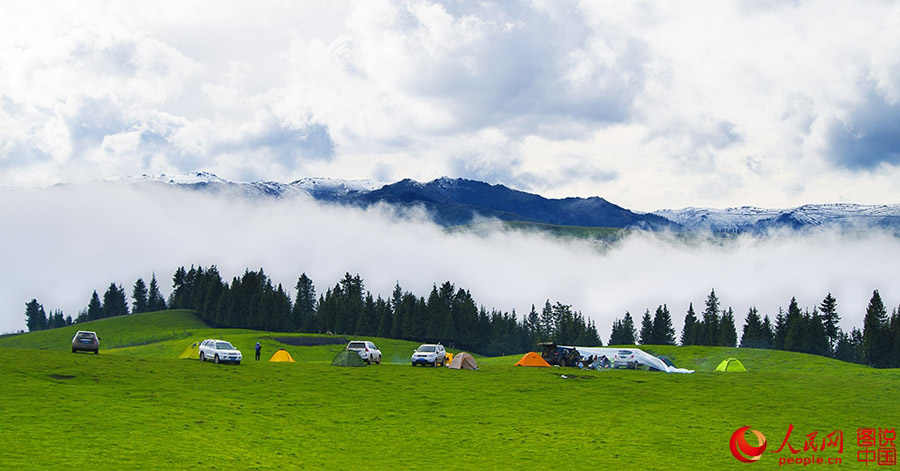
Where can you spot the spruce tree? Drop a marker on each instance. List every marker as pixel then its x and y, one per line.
pixel 727 331
pixel 646 329
pixel 94 308
pixel 711 321
pixel 875 340
pixel 830 318
pixel 753 335
pixel 35 316
pixel 305 305
pixel 139 295
pixel 663 332
pixel 155 299
pixel 688 333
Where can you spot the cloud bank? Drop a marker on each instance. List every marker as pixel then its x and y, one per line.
pixel 650 104
pixel 62 243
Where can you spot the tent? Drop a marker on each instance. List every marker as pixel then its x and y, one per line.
pixel 347 358
pixel 532 359
pixel 667 362
pixel 731 365
pixel 282 355
pixel 448 358
pixel 192 351
pixel 463 361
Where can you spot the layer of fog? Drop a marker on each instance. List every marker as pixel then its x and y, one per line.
pixel 60 244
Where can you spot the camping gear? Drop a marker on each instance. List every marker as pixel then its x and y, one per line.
pixel 532 359
pixel 642 358
pixel 192 351
pixel 463 361
pixel 282 355
pixel 731 365
pixel 667 361
pixel 448 357
pixel 347 358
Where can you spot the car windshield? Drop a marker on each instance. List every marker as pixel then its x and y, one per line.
pixel 624 352
pixel 86 335
pixel 224 346
pixel 356 345
pixel 426 348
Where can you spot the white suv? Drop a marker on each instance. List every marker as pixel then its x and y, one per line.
pixel 366 350
pixel 219 351
pixel 429 354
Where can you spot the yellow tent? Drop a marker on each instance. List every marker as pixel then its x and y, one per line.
pixel 448 359
pixel 191 351
pixel 532 359
pixel 282 355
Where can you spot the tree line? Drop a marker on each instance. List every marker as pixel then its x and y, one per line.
pixel 450 315
pixel 817 332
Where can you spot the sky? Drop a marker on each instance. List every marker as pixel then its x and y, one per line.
pixel 651 105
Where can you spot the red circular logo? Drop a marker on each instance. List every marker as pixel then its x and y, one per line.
pixel 742 450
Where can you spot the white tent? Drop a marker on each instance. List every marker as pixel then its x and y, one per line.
pixel 640 356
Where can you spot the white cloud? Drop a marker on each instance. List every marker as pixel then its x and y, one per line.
pixel 62 243
pixel 708 103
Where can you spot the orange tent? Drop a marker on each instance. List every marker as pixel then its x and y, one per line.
pixel 532 359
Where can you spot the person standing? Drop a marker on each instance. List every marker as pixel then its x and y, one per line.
pixel 258 349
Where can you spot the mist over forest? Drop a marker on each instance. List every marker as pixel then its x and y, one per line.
pixel 64 242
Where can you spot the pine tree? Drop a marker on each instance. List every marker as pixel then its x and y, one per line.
pixel 646 329
pixel 548 325
pixel 35 316
pixel 94 308
pixel 690 323
pixel 795 328
pixel 727 331
pixel 830 318
pixel 623 332
pixel 753 334
pixel 304 311
pixel 875 339
pixel 663 332
pixel 711 321
pixel 114 301
pixel 139 294
pixel 780 330
pixel 155 300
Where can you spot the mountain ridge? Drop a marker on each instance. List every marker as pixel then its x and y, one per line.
pixel 459 201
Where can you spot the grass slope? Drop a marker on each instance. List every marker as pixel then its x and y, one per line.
pixel 136 409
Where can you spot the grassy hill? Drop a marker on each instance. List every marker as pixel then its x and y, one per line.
pixel 136 407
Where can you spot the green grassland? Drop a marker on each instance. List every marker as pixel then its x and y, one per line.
pixel 135 406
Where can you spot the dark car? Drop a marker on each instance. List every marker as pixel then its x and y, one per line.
pixel 86 341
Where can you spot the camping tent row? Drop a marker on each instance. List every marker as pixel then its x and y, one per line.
pixel 192 351
pixel 644 358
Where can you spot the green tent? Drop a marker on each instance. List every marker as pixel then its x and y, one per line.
pixel 347 358
pixel 731 365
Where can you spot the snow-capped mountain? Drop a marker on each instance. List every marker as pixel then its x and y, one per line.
pixel 457 201
pixel 753 219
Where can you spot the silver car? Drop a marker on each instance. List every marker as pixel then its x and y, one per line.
pixel 86 340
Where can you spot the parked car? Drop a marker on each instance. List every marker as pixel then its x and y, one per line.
pixel 624 359
pixel 429 354
pixel 366 350
pixel 219 351
pixel 87 341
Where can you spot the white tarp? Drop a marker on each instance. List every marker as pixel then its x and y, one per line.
pixel 640 356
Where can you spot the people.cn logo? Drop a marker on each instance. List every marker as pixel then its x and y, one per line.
pixel 742 450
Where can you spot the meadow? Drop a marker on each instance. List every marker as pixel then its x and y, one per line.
pixel 136 406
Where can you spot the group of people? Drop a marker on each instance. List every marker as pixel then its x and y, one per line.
pixel 594 362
